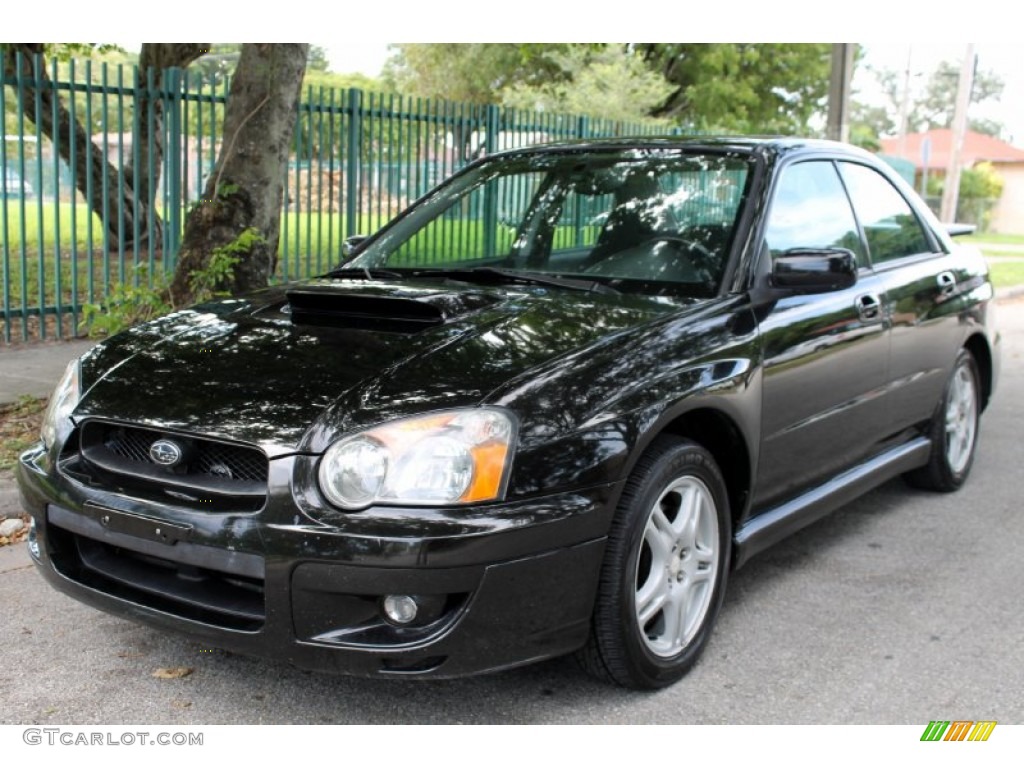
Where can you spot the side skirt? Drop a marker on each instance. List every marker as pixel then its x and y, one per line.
pixel 773 525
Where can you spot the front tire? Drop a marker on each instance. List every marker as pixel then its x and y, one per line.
pixel 664 574
pixel 954 430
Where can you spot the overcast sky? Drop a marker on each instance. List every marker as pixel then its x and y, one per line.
pixel 356 31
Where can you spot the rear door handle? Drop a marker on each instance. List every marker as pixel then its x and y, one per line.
pixel 947 283
pixel 869 307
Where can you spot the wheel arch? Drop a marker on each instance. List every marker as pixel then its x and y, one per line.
pixel 978 346
pixel 721 436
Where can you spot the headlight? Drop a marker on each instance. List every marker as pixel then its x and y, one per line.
pixel 63 400
pixel 450 457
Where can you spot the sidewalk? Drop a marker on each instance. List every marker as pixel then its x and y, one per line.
pixel 34 370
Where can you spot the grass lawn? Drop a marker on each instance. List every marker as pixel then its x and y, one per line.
pixel 35 269
pixel 1007 273
pixel 991 237
pixel 39 226
pixel 995 251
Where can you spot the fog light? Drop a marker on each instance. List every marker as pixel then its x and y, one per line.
pixel 400 609
pixel 33 544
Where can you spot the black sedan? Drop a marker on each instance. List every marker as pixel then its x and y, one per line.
pixel 544 411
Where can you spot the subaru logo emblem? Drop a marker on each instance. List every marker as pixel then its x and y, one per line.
pixel 166 453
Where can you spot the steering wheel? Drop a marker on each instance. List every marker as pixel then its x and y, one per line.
pixel 699 261
pixel 689 245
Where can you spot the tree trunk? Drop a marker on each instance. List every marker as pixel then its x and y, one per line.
pixel 149 132
pixel 240 213
pixel 36 83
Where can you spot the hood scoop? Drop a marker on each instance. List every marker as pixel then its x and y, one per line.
pixel 391 312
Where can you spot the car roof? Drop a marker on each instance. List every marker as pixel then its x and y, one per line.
pixel 763 145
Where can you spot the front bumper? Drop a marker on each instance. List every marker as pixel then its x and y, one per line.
pixel 505 584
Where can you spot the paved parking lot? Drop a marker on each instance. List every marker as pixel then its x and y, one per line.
pixel 902 608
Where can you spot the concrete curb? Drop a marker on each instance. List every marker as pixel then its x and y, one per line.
pixel 1009 293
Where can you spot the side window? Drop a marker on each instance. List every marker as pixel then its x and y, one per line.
pixel 810 210
pixel 890 226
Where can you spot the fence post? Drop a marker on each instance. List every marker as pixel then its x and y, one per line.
pixel 355 137
pixel 582 127
pixel 172 164
pixel 492 121
pixel 582 132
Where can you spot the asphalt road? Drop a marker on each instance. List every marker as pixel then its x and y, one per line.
pixel 901 608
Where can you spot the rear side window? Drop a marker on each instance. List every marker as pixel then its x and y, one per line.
pixel 890 225
pixel 810 209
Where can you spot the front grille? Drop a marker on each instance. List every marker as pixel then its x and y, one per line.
pixel 210 474
pixel 221 460
pixel 129 443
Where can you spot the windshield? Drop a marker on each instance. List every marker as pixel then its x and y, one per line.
pixel 634 220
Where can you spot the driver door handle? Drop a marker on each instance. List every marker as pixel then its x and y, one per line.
pixel 869 307
pixel 947 284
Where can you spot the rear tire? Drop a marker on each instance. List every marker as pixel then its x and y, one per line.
pixel 954 430
pixel 664 573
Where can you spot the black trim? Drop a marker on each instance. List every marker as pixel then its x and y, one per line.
pixel 767 528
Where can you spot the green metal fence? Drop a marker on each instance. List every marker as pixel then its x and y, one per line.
pixel 75 218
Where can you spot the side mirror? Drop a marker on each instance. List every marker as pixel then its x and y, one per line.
pixel 955 229
pixel 814 270
pixel 350 245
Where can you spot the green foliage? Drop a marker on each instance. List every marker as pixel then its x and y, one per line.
pixel 474 72
pixel 137 300
pixel 864 136
pixel 214 68
pixel 739 87
pixel 99 51
pixel 985 126
pixel 980 190
pixel 935 107
pixel 868 123
pixel 932 107
pixel 317 79
pixel 743 87
pixel 215 278
pixel 227 189
pixel 612 82
pixel 981 182
pixel 317 59
pixel 129 303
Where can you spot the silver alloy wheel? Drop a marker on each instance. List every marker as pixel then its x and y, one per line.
pixel 961 419
pixel 676 568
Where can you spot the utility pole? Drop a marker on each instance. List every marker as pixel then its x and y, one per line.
pixel 905 107
pixel 951 190
pixel 839 91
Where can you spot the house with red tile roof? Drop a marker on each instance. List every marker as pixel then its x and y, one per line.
pixel 1008 160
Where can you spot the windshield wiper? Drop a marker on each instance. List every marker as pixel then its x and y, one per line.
pixel 475 274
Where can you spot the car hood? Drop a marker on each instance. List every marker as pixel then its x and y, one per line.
pixel 292 368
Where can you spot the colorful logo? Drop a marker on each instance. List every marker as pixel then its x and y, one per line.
pixel 958 730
